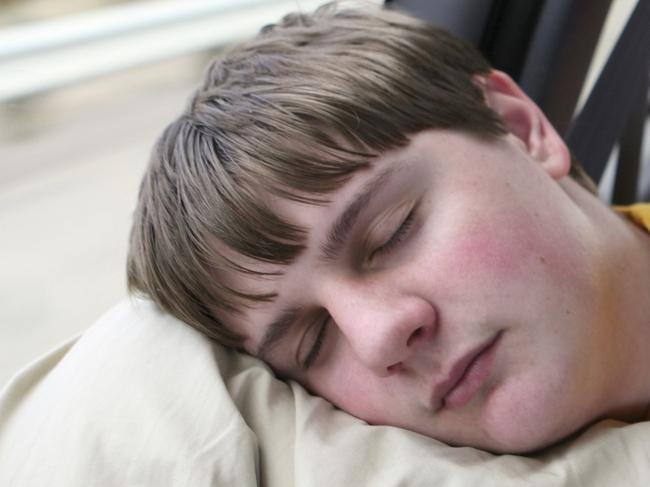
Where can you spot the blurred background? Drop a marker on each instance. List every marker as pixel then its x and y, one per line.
pixel 85 88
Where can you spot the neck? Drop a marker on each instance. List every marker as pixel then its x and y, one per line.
pixel 624 249
pixel 630 253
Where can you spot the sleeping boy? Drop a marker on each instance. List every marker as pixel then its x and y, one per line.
pixel 358 199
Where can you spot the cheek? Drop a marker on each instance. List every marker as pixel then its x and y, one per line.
pixel 479 250
pixel 495 251
pixel 351 387
pixel 501 245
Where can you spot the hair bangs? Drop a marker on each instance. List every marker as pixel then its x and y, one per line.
pixel 294 113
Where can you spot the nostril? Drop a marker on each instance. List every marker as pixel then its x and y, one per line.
pixel 395 368
pixel 415 336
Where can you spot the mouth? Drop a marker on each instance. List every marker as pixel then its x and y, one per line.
pixel 467 376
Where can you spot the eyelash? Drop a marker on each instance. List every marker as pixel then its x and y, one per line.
pixel 397 237
pixel 318 344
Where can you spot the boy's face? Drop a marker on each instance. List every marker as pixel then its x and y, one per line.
pixel 451 290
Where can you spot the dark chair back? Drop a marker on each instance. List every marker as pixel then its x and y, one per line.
pixel 547 46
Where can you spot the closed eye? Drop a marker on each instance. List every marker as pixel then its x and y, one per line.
pixel 397 237
pixel 317 345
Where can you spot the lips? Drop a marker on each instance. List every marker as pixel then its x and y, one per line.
pixel 466 376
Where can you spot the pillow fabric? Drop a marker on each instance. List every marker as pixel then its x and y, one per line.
pixel 141 399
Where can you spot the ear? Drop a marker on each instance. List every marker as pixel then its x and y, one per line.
pixel 524 119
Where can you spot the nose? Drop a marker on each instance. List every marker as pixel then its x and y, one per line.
pixel 385 328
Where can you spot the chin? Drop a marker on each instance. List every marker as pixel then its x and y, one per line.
pixel 524 430
pixel 518 445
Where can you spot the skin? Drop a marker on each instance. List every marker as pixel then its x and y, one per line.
pixel 502 242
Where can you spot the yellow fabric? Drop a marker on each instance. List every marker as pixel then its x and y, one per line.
pixel 639 213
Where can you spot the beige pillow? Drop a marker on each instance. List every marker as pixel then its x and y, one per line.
pixel 142 399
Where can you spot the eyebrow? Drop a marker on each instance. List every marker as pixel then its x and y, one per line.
pixel 330 250
pixel 340 230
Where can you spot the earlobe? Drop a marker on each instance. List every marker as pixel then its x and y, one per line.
pixel 526 122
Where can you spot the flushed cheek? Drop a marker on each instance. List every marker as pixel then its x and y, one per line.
pixel 491 252
pixel 511 247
